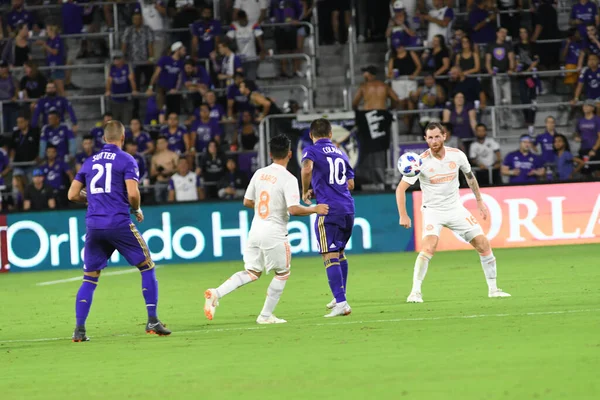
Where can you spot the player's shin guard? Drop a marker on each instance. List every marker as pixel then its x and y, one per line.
pixel 150 289
pixel 344 267
pixel 237 280
pixel 488 263
pixel 274 292
pixel 421 265
pixel 336 279
pixel 84 299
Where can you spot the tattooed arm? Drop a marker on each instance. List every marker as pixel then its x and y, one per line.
pixel 472 182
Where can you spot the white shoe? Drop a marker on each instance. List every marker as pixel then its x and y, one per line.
pixel 498 293
pixel 211 303
pixel 269 320
pixel 339 310
pixel 415 297
pixel 331 304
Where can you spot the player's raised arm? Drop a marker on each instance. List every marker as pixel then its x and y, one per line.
pixel 401 203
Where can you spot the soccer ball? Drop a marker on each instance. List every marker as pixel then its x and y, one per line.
pixel 409 164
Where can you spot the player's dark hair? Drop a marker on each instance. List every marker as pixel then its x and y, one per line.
pixel 87 137
pixel 50 146
pixel 279 147
pixel 320 128
pixel 130 142
pixel 434 125
pixel 107 114
pixel 481 125
pixel 565 140
pixel 242 14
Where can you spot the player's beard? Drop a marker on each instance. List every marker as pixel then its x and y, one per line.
pixel 436 147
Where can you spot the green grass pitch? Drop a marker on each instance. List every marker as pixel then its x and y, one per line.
pixel 543 343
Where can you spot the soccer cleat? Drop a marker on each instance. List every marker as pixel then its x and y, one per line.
pixel 269 320
pixel 79 335
pixel 339 310
pixel 415 297
pixel 211 303
pixel 331 304
pixel 157 328
pixel 498 293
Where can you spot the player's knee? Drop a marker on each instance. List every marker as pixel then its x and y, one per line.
pixel 481 244
pixel 254 274
pixel 93 274
pixel 282 276
pixel 145 266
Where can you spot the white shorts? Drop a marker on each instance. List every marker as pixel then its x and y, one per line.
pixel 458 220
pixel 404 87
pixel 257 258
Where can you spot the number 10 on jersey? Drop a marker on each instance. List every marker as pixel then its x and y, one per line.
pixel 337 171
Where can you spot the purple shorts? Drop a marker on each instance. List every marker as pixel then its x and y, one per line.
pixel 101 243
pixel 333 232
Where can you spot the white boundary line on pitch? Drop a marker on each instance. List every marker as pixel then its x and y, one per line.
pixel 78 278
pixel 376 321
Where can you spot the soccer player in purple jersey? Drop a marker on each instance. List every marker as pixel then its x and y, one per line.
pixel 327 168
pixel 111 181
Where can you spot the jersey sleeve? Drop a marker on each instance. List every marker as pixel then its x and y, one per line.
pixel 291 193
pixel 495 146
pixel 251 190
pixel 508 161
pixel 131 170
pixel 308 154
pixel 80 176
pixel 410 180
pixel 464 164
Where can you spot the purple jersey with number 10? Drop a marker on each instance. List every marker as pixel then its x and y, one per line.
pixel 109 225
pixel 331 171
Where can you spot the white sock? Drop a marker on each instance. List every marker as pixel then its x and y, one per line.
pixel 238 279
pixel 421 265
pixel 274 292
pixel 488 263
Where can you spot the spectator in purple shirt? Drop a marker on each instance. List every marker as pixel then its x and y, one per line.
pixel 217 111
pixel 55 57
pixel 522 166
pixel 482 19
pixel 194 80
pixel 205 34
pixel 120 86
pixel 545 141
pixel 18 15
pixel 589 80
pixel 572 55
pixel 142 139
pixel 204 130
pixel 58 175
pixel 287 12
pixel 167 76
pixel 588 134
pixel 584 13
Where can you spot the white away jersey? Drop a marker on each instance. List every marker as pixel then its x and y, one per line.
pixel 439 178
pixel 273 189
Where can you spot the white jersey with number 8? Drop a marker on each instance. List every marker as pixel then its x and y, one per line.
pixel 273 189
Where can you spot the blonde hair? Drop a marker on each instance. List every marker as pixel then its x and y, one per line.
pixel 114 131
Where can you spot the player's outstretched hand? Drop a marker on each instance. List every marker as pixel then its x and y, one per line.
pixel 405 221
pixel 322 209
pixel 483 211
pixel 307 196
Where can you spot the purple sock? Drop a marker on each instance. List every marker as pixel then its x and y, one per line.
pixel 336 280
pixel 344 267
pixel 84 299
pixel 150 291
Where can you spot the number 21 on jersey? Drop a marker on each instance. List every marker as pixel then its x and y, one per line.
pixel 337 171
pixel 101 172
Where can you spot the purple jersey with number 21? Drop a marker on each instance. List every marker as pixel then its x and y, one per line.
pixel 109 225
pixel 331 171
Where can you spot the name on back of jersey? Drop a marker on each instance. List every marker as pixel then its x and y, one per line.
pixel 269 178
pixel 104 156
pixel 331 149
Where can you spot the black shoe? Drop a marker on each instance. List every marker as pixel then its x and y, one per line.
pixel 79 334
pixel 157 328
